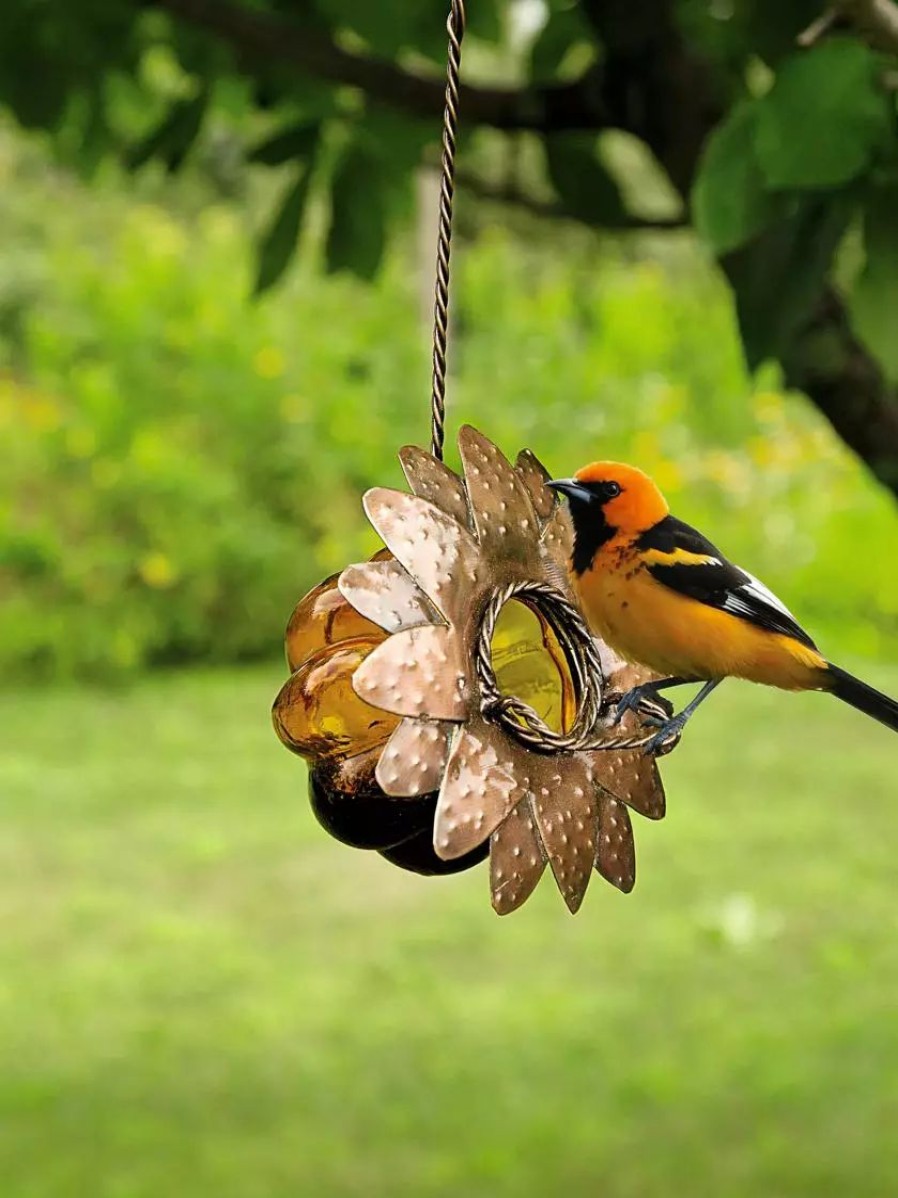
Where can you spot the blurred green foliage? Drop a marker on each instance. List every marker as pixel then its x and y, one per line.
pixel 181 464
pixel 792 143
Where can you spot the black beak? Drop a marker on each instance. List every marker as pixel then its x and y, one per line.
pixel 572 489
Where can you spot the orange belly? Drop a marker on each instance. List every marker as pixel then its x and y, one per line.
pixel 655 626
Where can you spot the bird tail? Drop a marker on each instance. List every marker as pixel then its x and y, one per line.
pixel 864 698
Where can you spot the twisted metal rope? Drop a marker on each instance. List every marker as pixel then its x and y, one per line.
pixel 515 716
pixel 455 27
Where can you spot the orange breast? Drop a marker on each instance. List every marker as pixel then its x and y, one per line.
pixel 648 623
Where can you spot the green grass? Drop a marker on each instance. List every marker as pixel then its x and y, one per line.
pixel 201 994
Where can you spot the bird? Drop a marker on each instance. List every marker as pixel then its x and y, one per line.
pixel 663 596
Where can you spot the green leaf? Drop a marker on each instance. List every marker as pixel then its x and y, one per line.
pixel 730 202
pixel 779 276
pixel 172 137
pixel 484 20
pixel 874 298
pixel 293 142
pixel 357 234
pixel 389 26
pixel 824 118
pixel 583 183
pixel 279 242
pixel 565 29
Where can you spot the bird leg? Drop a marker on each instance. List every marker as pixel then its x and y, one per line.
pixel 633 699
pixel 675 726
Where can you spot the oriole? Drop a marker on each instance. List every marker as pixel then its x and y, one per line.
pixel 662 595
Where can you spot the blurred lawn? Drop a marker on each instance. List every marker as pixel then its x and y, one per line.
pixel 200 994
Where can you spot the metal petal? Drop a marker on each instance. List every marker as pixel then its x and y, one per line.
pixel 566 814
pixel 414 758
pixel 419 672
pixel 517 859
pixel 558 535
pixel 386 593
pixel 440 555
pixel 504 518
pixel 629 775
pixel 431 480
pixel 632 776
pixel 534 476
pixel 615 854
pixel 485 780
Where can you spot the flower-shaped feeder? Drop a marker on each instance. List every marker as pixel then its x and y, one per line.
pixel 468 661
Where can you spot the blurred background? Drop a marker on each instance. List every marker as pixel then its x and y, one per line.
pixel 677 246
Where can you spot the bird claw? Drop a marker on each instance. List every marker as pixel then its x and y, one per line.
pixel 669 732
pixel 645 701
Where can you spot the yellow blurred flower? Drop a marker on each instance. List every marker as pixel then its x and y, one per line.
pixel 269 362
pixel 668 475
pixel 157 571
pixel 762 450
pixel 158 232
pixel 769 406
pixel 646 450
pixel 41 413
pixel 728 470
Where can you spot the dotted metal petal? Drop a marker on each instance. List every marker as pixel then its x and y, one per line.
pixel 517 859
pixel 440 555
pixel 558 535
pixel 386 594
pixel 615 853
pixel 419 672
pixel 485 780
pixel 567 815
pixel 414 758
pixel 431 480
pixel 503 514
pixel 632 776
pixel 534 476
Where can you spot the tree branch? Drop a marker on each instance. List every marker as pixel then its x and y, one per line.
pixel 877 20
pixel 558 107
pixel 846 384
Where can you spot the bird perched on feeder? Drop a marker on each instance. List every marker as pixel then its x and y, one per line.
pixel 662 595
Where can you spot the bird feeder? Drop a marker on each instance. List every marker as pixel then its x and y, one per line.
pixel 447 695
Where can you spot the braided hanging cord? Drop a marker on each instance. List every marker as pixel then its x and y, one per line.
pixel 455 26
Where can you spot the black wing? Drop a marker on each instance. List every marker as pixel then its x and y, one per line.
pixel 714 581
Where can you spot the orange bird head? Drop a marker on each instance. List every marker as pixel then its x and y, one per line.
pixel 607 499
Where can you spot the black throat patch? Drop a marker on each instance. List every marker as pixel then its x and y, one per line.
pixel 591 532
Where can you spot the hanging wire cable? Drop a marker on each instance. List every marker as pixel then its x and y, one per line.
pixel 455 27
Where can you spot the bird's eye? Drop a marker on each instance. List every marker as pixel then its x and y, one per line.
pixel 612 490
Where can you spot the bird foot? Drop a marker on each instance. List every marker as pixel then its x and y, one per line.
pixel 668 734
pixel 647 703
